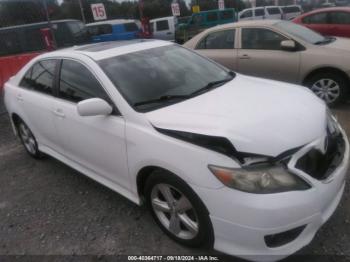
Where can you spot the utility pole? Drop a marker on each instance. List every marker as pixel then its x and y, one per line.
pixel 82 11
pixel 141 8
pixel 50 24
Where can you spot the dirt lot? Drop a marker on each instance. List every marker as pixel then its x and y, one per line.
pixel 46 208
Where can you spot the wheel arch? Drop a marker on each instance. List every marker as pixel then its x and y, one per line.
pixel 142 177
pixel 327 69
pixel 15 119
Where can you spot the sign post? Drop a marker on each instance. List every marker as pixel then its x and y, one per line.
pixel 98 11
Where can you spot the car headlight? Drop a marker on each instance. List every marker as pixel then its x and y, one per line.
pixel 259 180
pixel 332 124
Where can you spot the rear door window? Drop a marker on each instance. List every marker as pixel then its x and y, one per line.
pixel 274 10
pixel 34 40
pixel 212 17
pixel 131 27
pixel 259 12
pixel 247 14
pixel 224 15
pixel 291 9
pixel 40 77
pixel 78 32
pixel 162 25
pixel 100 29
pixel 105 29
pixel 197 20
pixel 339 18
pixel 320 18
pixel 218 40
pixel 9 44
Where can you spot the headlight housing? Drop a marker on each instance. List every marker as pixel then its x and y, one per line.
pixel 332 124
pixel 259 180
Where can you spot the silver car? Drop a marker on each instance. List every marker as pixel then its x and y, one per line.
pixel 281 50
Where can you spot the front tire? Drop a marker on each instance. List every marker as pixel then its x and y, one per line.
pixel 28 140
pixel 178 210
pixel 330 87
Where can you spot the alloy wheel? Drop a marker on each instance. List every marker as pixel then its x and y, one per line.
pixel 27 138
pixel 327 89
pixel 174 211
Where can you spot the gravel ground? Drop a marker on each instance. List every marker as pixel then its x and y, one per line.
pixel 46 208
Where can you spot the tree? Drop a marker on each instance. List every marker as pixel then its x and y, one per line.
pixel 161 8
pixel 205 5
pixel 17 12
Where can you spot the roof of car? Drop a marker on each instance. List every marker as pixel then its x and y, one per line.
pixel 39 23
pixel 103 50
pixel 112 22
pixel 264 22
pixel 161 18
pixel 328 9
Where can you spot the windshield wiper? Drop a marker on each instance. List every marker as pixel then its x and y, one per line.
pixel 213 84
pixel 326 40
pixel 161 99
pixel 167 98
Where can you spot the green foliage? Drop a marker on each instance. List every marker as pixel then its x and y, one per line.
pixel 213 4
pixel 119 10
pixel 14 12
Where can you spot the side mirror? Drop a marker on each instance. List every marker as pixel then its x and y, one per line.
pixel 288 45
pixel 94 107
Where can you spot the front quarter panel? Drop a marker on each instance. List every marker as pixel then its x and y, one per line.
pixel 148 147
pixel 317 58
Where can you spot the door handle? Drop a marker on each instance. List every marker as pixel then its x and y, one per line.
pixel 59 113
pixel 19 97
pixel 245 56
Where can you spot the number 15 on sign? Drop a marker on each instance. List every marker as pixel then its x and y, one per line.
pixel 98 11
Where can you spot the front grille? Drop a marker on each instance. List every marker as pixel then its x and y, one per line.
pixel 321 165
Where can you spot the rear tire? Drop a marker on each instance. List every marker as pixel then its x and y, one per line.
pixel 28 140
pixel 177 210
pixel 330 87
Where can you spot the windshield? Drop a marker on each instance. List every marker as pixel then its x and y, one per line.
pixel 163 72
pixel 301 32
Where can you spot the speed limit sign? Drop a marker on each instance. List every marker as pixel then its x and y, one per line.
pixel 99 11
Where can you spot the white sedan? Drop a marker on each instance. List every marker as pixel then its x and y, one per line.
pixel 249 166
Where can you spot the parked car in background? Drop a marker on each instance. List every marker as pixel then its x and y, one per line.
pixel 342 2
pixel 19 44
pixel 281 50
pixel 200 21
pixel 257 13
pixel 270 12
pixel 111 30
pixel 291 11
pixel 249 166
pixel 163 28
pixel 334 21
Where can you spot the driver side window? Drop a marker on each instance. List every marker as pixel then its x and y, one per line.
pixel 77 83
pixel 261 38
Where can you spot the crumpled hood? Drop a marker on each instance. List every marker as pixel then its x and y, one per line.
pixel 258 116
